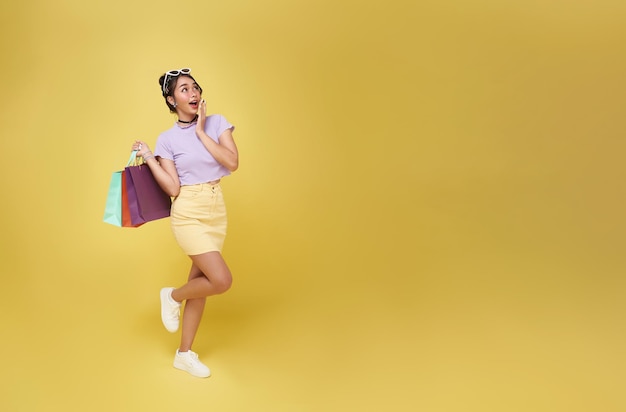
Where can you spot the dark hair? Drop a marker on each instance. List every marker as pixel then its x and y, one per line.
pixel 169 88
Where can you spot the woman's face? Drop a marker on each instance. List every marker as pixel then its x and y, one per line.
pixel 187 96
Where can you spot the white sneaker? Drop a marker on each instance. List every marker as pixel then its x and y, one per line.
pixel 189 362
pixel 170 310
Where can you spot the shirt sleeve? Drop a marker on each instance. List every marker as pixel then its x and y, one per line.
pixel 163 150
pixel 223 126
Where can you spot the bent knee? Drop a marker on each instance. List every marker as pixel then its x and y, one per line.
pixel 223 284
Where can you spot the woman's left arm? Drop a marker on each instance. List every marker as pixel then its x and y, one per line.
pixel 225 149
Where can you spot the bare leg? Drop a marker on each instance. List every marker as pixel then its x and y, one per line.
pixel 192 314
pixel 209 275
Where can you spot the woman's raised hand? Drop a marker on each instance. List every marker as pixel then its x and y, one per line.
pixel 201 117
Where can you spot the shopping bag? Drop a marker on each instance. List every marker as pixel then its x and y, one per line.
pixel 152 202
pixel 129 202
pixel 113 207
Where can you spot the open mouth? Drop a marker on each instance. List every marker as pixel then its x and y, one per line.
pixel 194 104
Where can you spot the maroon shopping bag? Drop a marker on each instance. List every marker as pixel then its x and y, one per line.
pixel 129 202
pixel 146 200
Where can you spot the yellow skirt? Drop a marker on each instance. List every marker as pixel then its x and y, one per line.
pixel 198 218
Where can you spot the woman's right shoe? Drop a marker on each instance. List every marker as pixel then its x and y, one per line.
pixel 189 362
pixel 170 310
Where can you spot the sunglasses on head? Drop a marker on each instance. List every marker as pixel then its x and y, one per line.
pixel 171 74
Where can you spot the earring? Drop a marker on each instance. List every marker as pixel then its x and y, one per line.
pixel 174 105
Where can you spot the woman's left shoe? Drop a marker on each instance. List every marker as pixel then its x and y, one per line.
pixel 189 362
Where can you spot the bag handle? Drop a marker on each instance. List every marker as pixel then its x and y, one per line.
pixel 132 158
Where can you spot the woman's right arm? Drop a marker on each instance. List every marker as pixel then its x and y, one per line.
pixel 163 170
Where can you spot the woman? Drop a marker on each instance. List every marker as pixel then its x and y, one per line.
pixel 188 162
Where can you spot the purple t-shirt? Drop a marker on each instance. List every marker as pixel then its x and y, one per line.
pixel 193 161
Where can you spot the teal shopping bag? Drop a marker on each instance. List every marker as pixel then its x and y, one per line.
pixel 113 208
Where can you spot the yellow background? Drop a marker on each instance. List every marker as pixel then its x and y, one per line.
pixel 428 215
